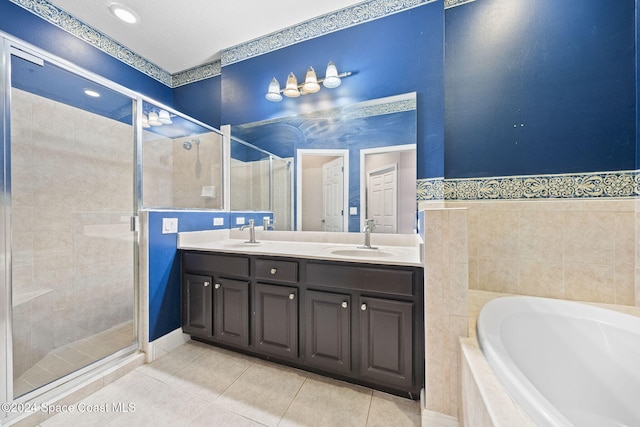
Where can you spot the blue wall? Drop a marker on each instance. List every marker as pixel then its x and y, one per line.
pixel 540 86
pixel 397 54
pixel 200 100
pixel 164 263
pixel 24 25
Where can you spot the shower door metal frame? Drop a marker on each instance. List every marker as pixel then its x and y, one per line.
pixel 7 43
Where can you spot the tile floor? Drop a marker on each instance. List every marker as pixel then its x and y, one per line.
pixel 201 385
pixel 73 356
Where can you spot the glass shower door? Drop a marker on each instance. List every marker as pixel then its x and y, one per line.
pixel 72 199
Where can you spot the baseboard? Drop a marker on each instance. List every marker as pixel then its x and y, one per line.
pixel 166 343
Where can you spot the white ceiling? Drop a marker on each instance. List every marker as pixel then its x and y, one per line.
pixel 178 35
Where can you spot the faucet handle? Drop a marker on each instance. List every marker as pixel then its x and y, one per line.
pixel 370 224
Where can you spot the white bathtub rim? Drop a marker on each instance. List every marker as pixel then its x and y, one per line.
pixel 506 369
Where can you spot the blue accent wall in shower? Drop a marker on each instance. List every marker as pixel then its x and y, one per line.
pixel 540 87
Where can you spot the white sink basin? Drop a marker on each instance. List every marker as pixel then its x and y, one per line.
pixel 366 253
pixel 243 244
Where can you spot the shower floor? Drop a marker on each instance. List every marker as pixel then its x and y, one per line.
pixel 73 356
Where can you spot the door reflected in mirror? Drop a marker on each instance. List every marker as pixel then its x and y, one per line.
pixel 350 164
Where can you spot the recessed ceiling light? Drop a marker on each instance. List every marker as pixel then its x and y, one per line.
pixel 124 13
pixel 91 93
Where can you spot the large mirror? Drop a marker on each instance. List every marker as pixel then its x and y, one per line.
pixel 351 163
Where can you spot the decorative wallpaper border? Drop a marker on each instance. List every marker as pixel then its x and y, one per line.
pixel 341 19
pixel 452 3
pixel 196 74
pixel 74 26
pixel 563 186
pixel 325 24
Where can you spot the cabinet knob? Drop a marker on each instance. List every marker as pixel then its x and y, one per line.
pixel 206 284
pixel 274 270
pixel 292 296
pixel 217 286
pixel 363 307
pixel 344 304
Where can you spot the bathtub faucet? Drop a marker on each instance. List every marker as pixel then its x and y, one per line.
pixel 252 231
pixel 368 228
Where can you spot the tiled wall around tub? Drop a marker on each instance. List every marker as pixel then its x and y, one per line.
pixel 572 249
pixel 446 303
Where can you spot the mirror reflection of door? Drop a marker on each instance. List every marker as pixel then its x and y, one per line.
pixel 321 187
pixel 332 194
pixel 387 179
pixel 382 198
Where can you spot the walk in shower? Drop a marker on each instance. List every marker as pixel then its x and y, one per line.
pixel 71 164
pixel 74 147
pixel 261 181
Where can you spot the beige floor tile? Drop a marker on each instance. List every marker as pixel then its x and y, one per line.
pixel 327 402
pixel 214 415
pixel 172 362
pixel 389 410
pixel 263 392
pixel 183 389
pixel 210 374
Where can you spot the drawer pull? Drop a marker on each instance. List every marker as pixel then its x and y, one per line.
pixel 206 284
pixel 292 296
pixel 217 286
pixel 344 304
pixel 363 307
pixel 274 270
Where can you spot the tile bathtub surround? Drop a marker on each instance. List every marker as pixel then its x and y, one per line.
pixel 197 384
pixel 446 304
pixel 572 249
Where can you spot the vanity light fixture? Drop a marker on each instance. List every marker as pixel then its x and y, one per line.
pixel 156 118
pixel 124 13
pixel 311 83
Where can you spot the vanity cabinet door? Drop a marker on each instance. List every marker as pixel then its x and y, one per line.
pixel 231 312
pixel 196 305
pixel 328 331
pixel 386 348
pixel 276 320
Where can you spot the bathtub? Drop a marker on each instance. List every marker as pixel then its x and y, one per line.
pixel 565 363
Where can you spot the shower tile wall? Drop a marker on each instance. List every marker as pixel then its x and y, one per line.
pixel 174 177
pixel 72 249
pixel 196 168
pixel 250 189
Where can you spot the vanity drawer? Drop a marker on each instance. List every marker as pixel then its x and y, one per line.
pixel 361 278
pixel 282 271
pixel 221 264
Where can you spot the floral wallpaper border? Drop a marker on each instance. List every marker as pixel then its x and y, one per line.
pixel 451 3
pixel 562 186
pixel 325 24
pixel 72 25
pixel 335 21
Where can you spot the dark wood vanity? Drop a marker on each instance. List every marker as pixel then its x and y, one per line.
pixel 358 322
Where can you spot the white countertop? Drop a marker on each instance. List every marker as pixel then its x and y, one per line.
pixel 392 250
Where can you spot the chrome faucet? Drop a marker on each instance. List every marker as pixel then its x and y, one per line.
pixel 267 224
pixel 368 228
pixel 252 231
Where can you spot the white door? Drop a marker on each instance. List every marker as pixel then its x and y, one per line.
pixel 382 198
pixel 332 194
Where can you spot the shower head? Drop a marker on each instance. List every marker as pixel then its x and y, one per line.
pixel 188 144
